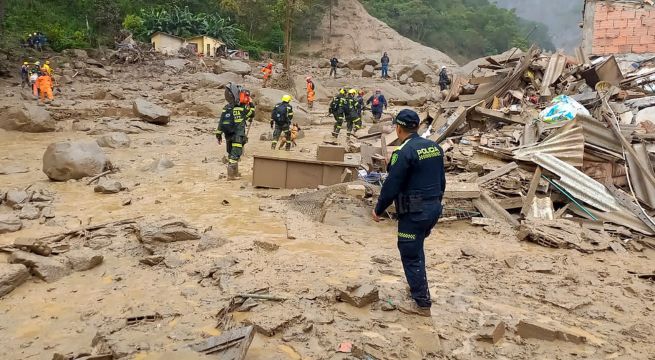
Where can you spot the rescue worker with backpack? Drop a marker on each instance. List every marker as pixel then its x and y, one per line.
pixel 353 119
pixel 281 118
pixel 338 110
pixel 378 104
pixel 238 110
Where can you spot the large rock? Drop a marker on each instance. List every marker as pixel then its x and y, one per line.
pixel 83 259
pixel 29 212
pixel 150 112
pixel 27 118
pixel 114 140
pixel 177 64
pixel 368 71
pixel 360 63
pixel 11 277
pixel 218 81
pixel 234 66
pixel 417 100
pixel 420 72
pixel 96 72
pixel 45 268
pixel 9 223
pixel 359 295
pixel 106 186
pixel 265 101
pixel 174 96
pixel 64 161
pixel 15 198
pixel 166 231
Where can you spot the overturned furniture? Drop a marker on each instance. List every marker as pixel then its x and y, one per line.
pixel 291 173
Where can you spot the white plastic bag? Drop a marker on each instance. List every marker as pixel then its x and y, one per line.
pixel 562 108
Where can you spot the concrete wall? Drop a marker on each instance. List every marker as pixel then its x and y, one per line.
pixel 204 41
pixel 167 44
pixel 618 28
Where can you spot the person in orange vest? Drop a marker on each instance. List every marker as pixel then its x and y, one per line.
pixel 311 93
pixel 268 71
pixel 44 84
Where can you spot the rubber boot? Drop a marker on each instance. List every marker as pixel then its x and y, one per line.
pixel 287 146
pixel 233 171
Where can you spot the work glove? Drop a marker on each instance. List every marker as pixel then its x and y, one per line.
pixel 271 124
pixel 219 138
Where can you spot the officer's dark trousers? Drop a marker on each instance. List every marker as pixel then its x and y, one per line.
pixel 412 231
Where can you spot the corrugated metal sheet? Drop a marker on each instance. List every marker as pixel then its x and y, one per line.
pixel 554 70
pixel 579 185
pixel 622 218
pixel 597 134
pixel 566 144
pixel 640 183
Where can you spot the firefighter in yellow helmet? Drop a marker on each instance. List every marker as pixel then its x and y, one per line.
pixel 353 119
pixel 281 118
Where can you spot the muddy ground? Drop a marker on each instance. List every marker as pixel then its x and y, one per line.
pixel 476 275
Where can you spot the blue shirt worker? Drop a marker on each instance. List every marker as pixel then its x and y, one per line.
pixel 416 183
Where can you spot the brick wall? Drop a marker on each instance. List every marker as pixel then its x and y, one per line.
pixel 620 28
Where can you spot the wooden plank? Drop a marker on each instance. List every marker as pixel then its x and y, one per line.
pixel 491 209
pixel 511 203
pixel 497 173
pixel 529 198
pixel 462 190
pixel 499 116
pixel 231 345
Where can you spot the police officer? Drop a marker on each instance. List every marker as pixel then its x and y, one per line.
pixel 232 123
pixel 338 110
pixel 416 183
pixel 281 118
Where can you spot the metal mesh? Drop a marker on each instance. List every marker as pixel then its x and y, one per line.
pixel 313 203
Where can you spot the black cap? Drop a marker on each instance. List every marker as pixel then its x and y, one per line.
pixel 408 119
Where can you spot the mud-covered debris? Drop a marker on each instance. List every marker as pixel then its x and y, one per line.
pixel 532 329
pixel 29 212
pixel 359 295
pixel 9 223
pixel 230 345
pixel 166 231
pixel 84 259
pixel 45 268
pixel 16 198
pixel 268 246
pixel 368 352
pixel 468 251
pixel 356 190
pixel 152 260
pixel 247 305
pixel 492 331
pixel 151 113
pixel 32 245
pixel 210 241
pixel 160 164
pixel 345 347
pixel 11 277
pixel 382 259
pixel 275 319
pixel 107 186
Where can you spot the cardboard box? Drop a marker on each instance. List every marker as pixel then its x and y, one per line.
pixel 330 153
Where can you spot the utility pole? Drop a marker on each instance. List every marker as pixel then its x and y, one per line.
pixel 287 35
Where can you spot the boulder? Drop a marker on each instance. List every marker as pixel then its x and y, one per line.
pixel 106 186
pixel 65 160
pixel 11 277
pixel 159 165
pixel 323 64
pixel 9 223
pixel 265 101
pixel 175 96
pixel 403 79
pixel 360 63
pixel 96 72
pixel 15 198
pixel 99 94
pixel 29 212
pixel 150 112
pixel 368 71
pixel 114 140
pixel 116 93
pixel 157 85
pixel 218 81
pixel 177 64
pixel 417 100
pixel 83 259
pixel 166 231
pixel 404 69
pixel 27 118
pixel 65 79
pixel 235 66
pixel 94 62
pixel 45 268
pixel 420 72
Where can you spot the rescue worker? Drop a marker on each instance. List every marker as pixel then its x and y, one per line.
pixel 25 74
pixel 416 183
pixel 444 80
pixel 311 92
pixel 385 65
pixel 337 109
pixel 268 71
pixel 353 120
pixel 378 104
pixel 360 103
pixel 281 118
pixel 333 66
pixel 34 75
pixel 46 68
pixel 44 84
pixel 238 110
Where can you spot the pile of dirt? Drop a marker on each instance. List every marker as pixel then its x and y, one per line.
pixel 354 32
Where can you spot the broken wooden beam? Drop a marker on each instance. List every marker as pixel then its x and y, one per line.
pixel 231 345
pixel 499 116
pixel 497 173
pixel 491 209
pixel 534 184
pixel 462 190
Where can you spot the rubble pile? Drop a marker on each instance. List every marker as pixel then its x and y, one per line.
pixel 553 140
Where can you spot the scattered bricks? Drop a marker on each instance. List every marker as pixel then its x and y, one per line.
pixel 532 329
pixel 268 246
pixel 359 295
pixel 492 331
pixel 358 191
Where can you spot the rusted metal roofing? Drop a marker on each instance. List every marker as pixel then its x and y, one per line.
pixel 579 185
pixel 566 144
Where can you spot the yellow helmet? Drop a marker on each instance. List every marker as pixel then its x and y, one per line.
pixel 352 92
pixel 286 98
pixel 342 91
pixel 25 63
pixel 47 62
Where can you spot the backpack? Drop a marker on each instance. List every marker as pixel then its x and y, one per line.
pixel 236 94
pixel 376 101
pixel 279 114
pixel 226 123
pixel 334 105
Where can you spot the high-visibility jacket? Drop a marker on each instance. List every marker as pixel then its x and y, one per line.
pixel 44 82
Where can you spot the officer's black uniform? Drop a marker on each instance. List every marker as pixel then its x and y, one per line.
pixel 416 182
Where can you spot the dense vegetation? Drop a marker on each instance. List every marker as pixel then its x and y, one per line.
pixel 464 29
